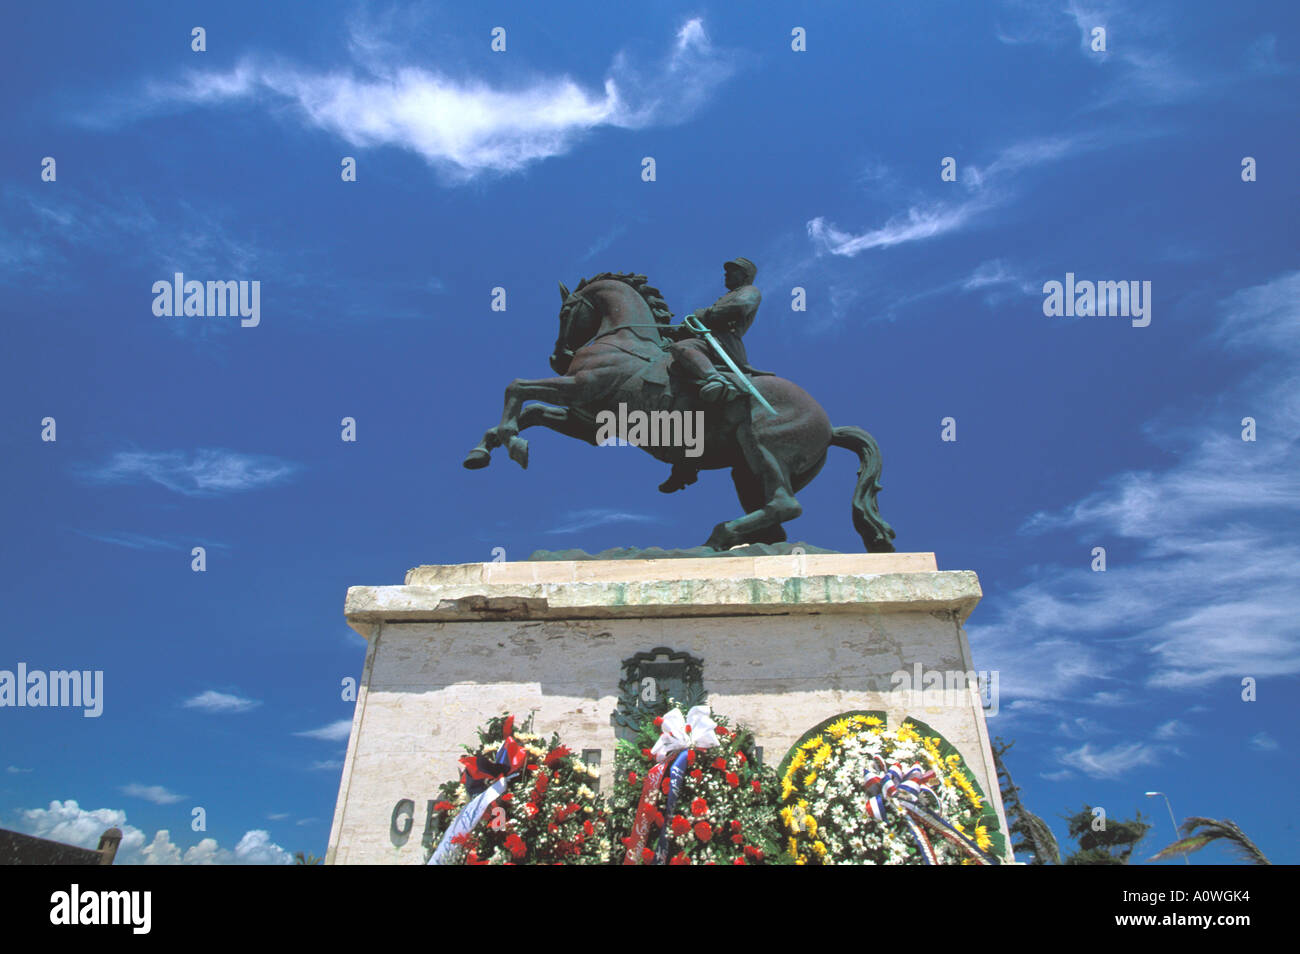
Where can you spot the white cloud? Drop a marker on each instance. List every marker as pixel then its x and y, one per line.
pixel 1109 763
pixel 1213 590
pixel 152 793
pixel 213 701
pixel 15 770
pixel 586 519
pixel 1264 742
pixel 69 823
pixel 984 189
pixel 202 473
pixel 327 764
pixel 334 732
pixel 463 125
pixel 1170 730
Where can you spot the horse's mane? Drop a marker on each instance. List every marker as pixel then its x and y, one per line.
pixel 654 299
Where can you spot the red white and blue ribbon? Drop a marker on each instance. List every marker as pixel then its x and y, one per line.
pixel 486 779
pixel 893 786
pixel 678 734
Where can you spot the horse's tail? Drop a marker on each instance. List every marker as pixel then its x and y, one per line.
pixel 876 535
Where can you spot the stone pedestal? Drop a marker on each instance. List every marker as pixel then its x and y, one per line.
pixel 782 643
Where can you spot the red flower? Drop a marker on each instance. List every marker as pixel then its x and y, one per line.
pixel 659 720
pixel 530 809
pixel 507 796
pixel 589 828
pixel 737 839
pixel 739 861
pixel 733 779
pixel 720 764
pixel 543 781
pixel 631 778
pixel 754 785
pixel 679 860
pixel 741 756
pixel 443 807
pixel 516 845
pixel 647 854
pixel 699 807
pixel 722 730
pixel 551 826
pixel 690 756
pixel 735 824
pixel 752 852
pixel 667 784
pixel 647 753
pixel 695 774
pixel 703 832
pixel 680 825
pixel 556 754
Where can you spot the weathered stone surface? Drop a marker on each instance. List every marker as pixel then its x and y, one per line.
pixel 781 651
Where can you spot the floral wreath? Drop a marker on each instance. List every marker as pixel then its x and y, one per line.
pixel 519 801
pixel 689 791
pixel 854 791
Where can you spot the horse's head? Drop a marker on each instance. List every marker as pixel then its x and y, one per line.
pixel 579 323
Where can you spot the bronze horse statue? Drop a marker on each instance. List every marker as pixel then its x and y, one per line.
pixel 611 351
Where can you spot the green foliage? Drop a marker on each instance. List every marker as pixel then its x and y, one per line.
pixel 1112 845
pixel 1032 836
pixel 1199 832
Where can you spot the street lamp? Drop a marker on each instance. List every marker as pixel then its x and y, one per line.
pixel 1171 817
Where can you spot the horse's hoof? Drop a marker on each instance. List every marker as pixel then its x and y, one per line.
pixel 518 449
pixel 477 459
pixel 721 538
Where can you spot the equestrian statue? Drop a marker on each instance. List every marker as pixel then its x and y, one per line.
pixel 618 349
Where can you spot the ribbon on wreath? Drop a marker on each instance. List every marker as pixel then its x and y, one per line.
pixel 893 786
pixel 486 779
pixel 678 734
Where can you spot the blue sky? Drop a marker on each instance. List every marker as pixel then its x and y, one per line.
pixel 522 168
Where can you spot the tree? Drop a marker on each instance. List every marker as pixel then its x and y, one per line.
pixel 1110 844
pixel 300 859
pixel 1212 829
pixel 1030 834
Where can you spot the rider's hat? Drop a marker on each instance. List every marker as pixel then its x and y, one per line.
pixel 746 266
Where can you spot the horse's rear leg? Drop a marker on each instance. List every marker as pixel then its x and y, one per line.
pixel 778 502
pixel 749 490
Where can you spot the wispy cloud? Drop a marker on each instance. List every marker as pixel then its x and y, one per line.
pixel 1213 590
pixel 1109 763
pixel 15 770
pixel 327 765
pixel 462 125
pixel 220 702
pixel 152 793
pixel 1264 742
pixel 586 519
pixel 202 473
pixel 983 188
pixel 334 732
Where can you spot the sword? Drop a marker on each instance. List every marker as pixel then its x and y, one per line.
pixel 697 327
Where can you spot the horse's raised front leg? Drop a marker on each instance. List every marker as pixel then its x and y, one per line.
pixel 506 434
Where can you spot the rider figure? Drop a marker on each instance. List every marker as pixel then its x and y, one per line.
pixel 727 319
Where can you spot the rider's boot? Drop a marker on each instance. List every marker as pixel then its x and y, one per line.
pixel 683 476
pixel 716 388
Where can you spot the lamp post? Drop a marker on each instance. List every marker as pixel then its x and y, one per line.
pixel 1172 821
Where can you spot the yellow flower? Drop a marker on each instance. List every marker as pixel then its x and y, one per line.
pixel 809 779
pixel 982 837
pixel 812 743
pixel 810 823
pixel 838 729
pixel 801 860
pixel 871 720
pixel 787 816
pixel 787 789
pixel 822 755
pixel 793 846
pixel 820 849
